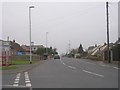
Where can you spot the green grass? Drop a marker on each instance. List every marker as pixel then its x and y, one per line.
pixel 15 63
pixel 8 67
pixel 21 62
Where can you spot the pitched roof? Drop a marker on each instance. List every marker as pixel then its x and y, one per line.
pixel 16 46
pixel 26 48
pixel 118 41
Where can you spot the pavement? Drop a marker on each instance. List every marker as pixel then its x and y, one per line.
pixel 22 68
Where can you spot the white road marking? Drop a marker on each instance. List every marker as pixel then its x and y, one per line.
pixel 16 82
pixel 116 67
pixel 64 64
pixel 93 73
pixel 67 65
pixel 72 67
pixel 27 80
pixel 28 85
pixel 15 85
pixel 12 86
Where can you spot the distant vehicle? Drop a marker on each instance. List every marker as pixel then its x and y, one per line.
pixel 45 56
pixel 56 57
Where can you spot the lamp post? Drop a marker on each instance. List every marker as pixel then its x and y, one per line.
pixel 30 7
pixel 46 44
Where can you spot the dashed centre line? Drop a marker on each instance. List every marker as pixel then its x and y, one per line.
pixel 67 65
pixel 72 67
pixel 93 73
pixel 82 70
pixel 64 64
pixel 116 67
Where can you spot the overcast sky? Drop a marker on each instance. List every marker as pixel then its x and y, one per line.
pixel 77 22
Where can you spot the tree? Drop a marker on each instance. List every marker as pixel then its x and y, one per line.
pixel 80 49
pixel 40 51
pixel 50 51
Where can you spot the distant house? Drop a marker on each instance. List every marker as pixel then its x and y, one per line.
pixel 91 49
pixel 16 48
pixel 99 51
pixel 26 49
pixel 33 48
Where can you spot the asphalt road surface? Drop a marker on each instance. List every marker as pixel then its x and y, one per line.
pixel 66 73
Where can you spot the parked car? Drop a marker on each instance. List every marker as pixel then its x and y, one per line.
pixel 56 57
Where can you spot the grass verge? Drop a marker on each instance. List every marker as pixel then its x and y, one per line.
pixel 15 63
pixel 22 62
pixel 8 67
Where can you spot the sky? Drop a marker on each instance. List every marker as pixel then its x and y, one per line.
pixel 74 22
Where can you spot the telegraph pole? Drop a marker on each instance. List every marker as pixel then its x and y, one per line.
pixel 107 13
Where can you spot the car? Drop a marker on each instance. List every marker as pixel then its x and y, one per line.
pixel 56 57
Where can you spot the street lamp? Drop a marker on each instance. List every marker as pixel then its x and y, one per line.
pixel 46 44
pixel 30 7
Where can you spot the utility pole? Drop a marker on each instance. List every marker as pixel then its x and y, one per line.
pixel 107 13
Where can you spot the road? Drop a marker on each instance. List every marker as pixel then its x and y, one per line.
pixel 66 73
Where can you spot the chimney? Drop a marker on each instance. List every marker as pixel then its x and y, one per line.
pixel 13 41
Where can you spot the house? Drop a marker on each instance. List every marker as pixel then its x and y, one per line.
pixel 16 48
pixel 26 49
pixel 91 49
pixel 33 48
pixel 100 51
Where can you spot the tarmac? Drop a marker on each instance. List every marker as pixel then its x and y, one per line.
pixel 22 68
